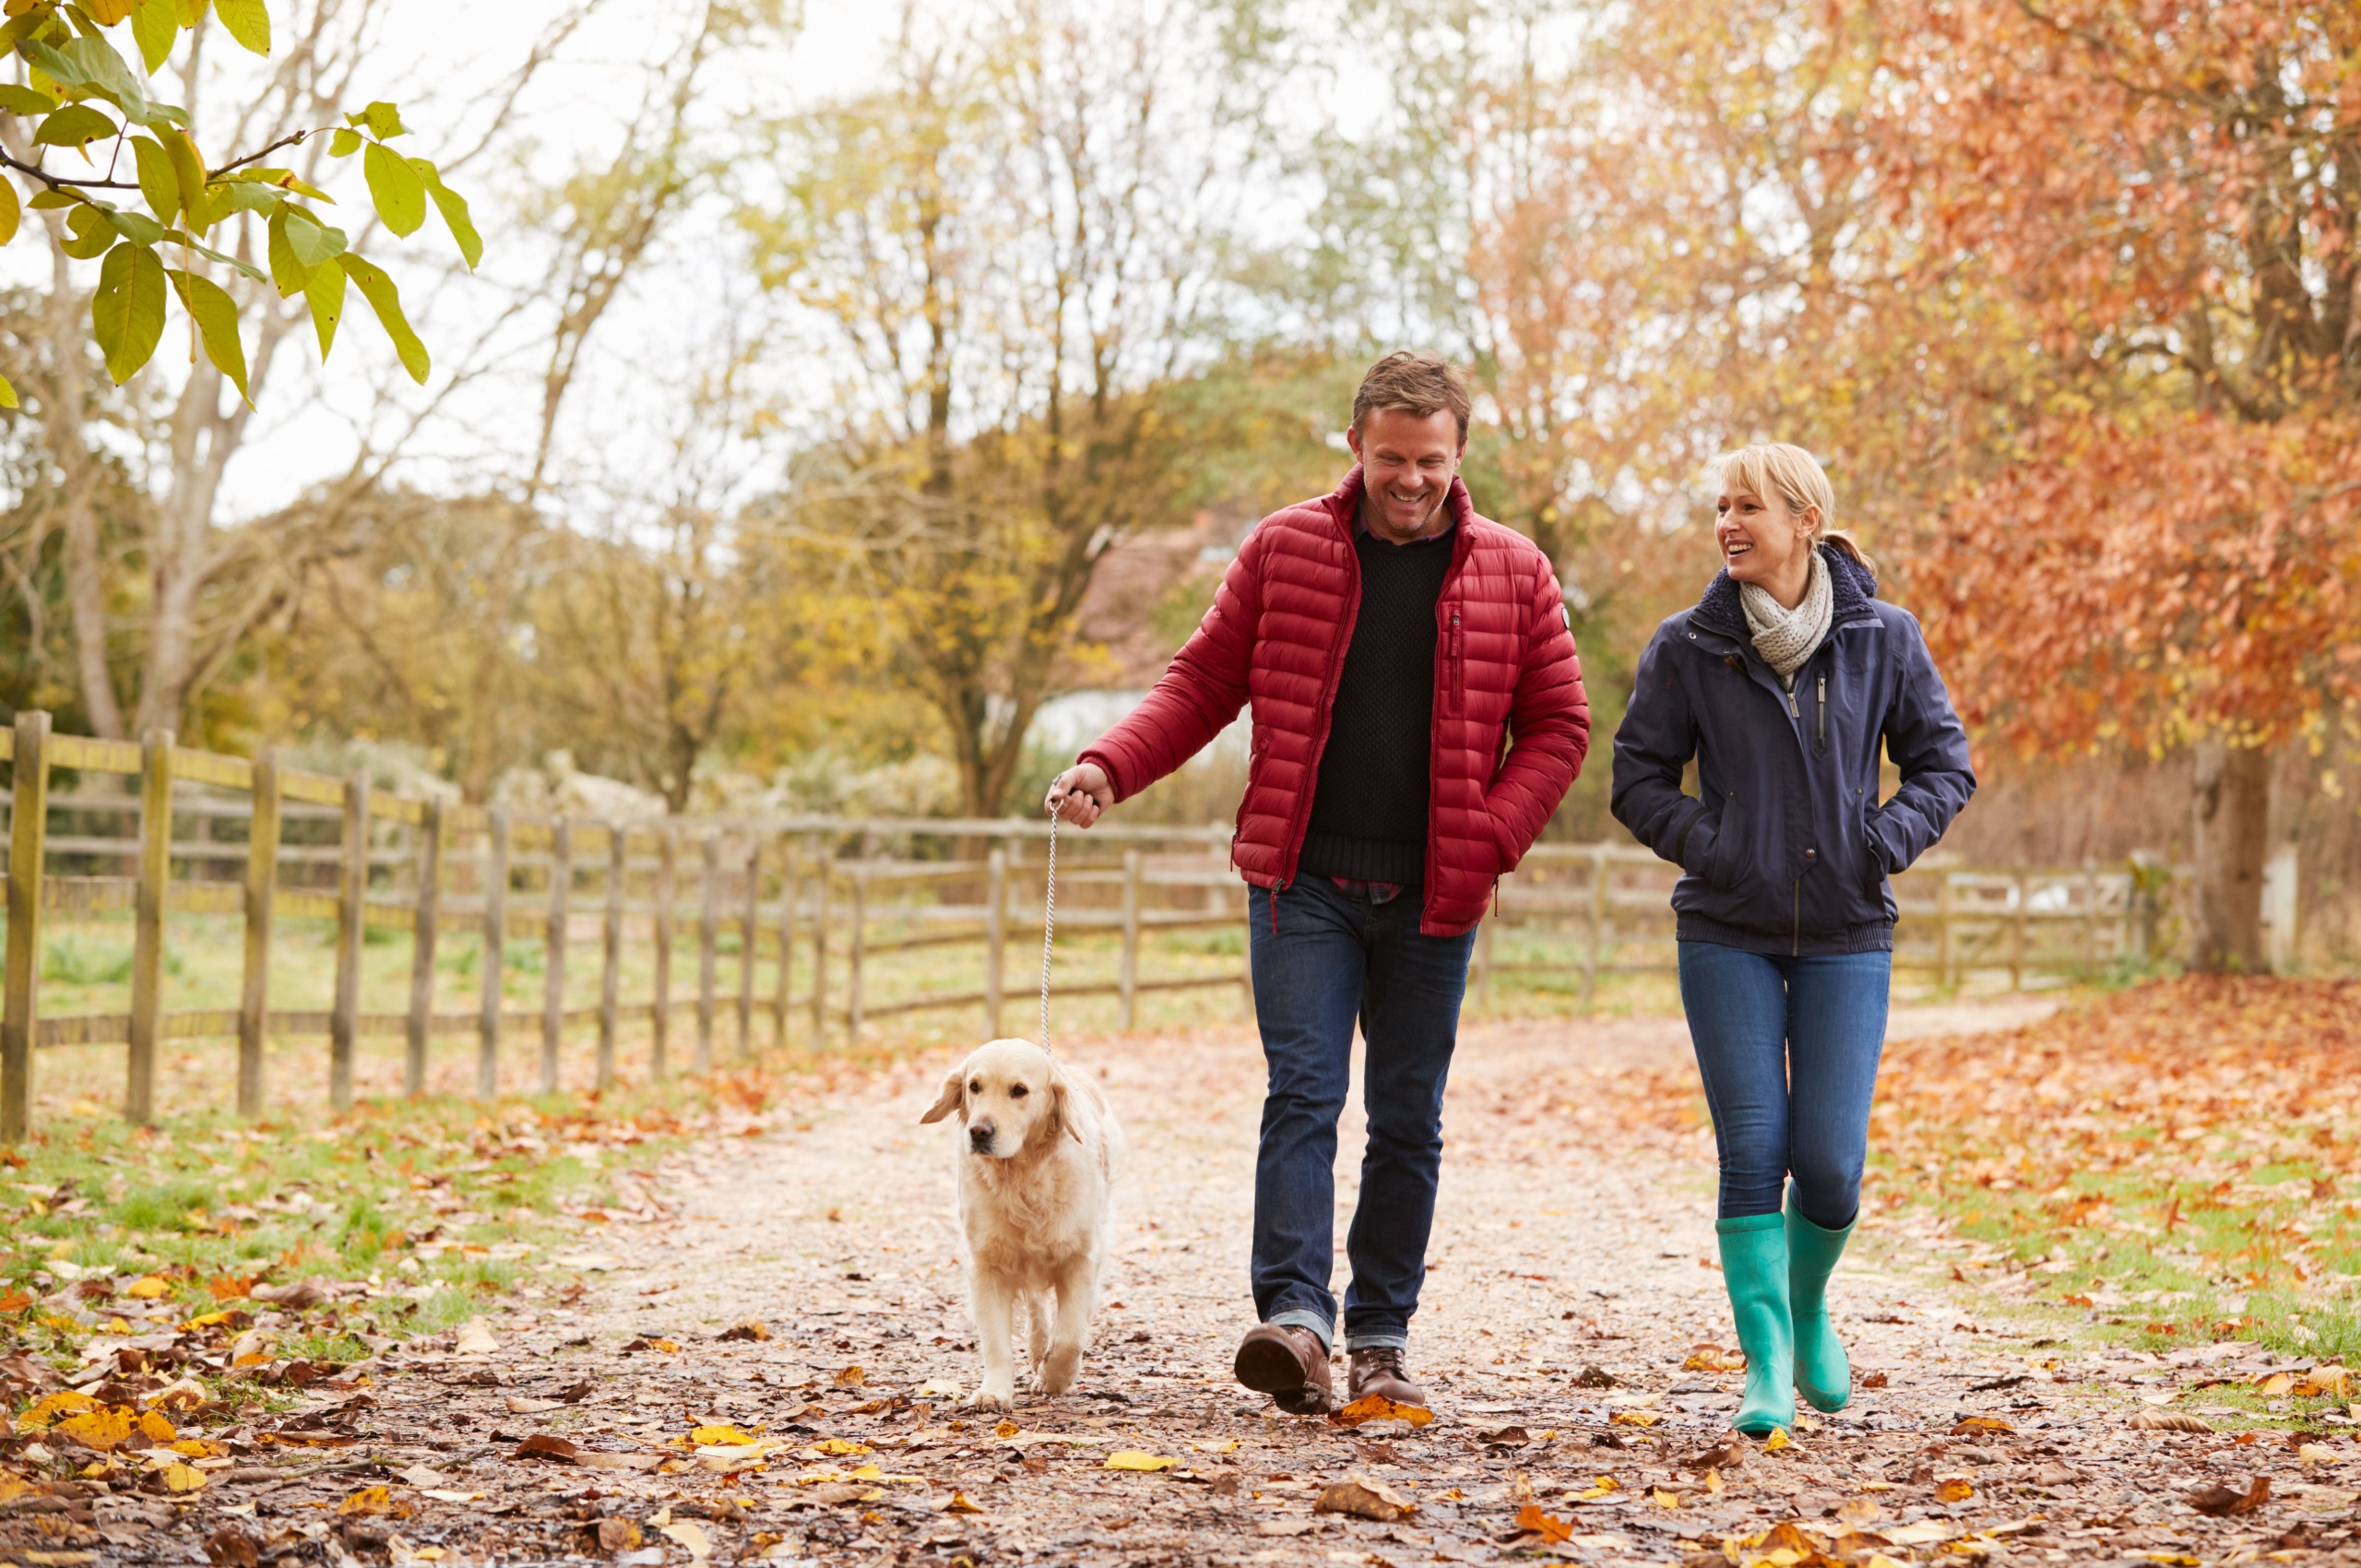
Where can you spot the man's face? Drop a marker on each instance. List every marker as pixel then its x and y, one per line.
pixel 1407 464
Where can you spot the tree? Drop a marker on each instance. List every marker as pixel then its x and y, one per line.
pixel 2169 552
pixel 227 242
pixel 1007 249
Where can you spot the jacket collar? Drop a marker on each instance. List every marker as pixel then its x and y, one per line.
pixel 1851 586
pixel 1345 506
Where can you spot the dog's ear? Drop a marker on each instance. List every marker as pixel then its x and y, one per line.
pixel 952 1098
pixel 1061 1105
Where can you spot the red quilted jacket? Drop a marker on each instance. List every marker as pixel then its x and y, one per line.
pixel 1512 724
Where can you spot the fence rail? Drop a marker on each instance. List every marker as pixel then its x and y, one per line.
pixel 819 894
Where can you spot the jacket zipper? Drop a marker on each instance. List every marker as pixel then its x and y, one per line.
pixel 1820 714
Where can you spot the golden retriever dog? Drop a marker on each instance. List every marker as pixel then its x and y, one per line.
pixel 1037 1174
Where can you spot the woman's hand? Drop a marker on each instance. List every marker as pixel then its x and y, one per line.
pixel 1079 794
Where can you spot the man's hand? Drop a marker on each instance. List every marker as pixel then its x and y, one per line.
pixel 1081 792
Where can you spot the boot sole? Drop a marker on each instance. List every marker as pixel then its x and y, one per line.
pixel 1270 1368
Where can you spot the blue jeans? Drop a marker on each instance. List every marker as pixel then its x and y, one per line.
pixel 1336 955
pixel 1788 1050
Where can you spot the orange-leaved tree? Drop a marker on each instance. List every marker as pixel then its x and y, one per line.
pixel 2166 548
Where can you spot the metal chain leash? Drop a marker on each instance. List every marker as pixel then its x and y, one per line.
pixel 1049 925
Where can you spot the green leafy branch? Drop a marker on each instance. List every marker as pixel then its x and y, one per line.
pixel 79 91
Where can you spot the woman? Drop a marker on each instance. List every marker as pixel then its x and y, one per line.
pixel 1784 683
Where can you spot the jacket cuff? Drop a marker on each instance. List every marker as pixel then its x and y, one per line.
pixel 1680 855
pixel 1106 759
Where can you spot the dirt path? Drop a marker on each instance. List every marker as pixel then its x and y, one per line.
pixel 1560 1245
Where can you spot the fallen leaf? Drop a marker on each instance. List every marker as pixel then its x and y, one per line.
pixel 368 1500
pixel 1364 1498
pixel 2315 1454
pixel 1969 1426
pixel 618 1535
pixel 1604 1486
pixel 65 1402
pixel 1006 1428
pixel 1953 1492
pixel 690 1536
pixel 1377 1407
pixel 102 1428
pixel 147 1287
pixel 546 1445
pixel 852 1377
pixel 1532 1520
pixel 1778 1440
pixel 1729 1453
pixel 839 1447
pixel 231 1548
pixel 2166 1420
pixel 958 1504
pixel 475 1339
pixel 517 1407
pixel 752 1331
pixel 299 1297
pixel 182 1477
pixel 597 1263
pixel 714 1437
pixel 1134 1459
pixel 1714 1359
pixel 1873 1380
pixel 1596 1377
pixel 1664 1499
pixel 1285 1527
pixel 1633 1418
pixel 2222 1500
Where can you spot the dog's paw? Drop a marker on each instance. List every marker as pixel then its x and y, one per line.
pixel 991 1396
pixel 1059 1369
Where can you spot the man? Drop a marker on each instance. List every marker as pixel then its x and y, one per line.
pixel 1389 641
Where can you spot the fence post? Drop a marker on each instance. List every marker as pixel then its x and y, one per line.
pixel 2017 932
pixel 790 874
pixel 667 862
pixel 148 932
pixel 822 867
pixel 554 951
pixel 995 936
pixel 611 958
pixel 853 951
pixel 1129 980
pixel 262 885
pixel 28 845
pixel 2090 917
pixel 344 1022
pixel 495 953
pixel 1947 967
pixel 708 929
pixel 1597 945
pixel 750 931
pixel 425 928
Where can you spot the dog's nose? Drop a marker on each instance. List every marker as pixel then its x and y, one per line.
pixel 980 1135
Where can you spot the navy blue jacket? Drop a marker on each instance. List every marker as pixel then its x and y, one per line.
pixel 1790 848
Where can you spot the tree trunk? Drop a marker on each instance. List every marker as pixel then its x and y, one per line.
pixel 2233 822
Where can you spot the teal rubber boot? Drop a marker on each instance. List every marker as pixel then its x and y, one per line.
pixel 1754 1271
pixel 1823 1373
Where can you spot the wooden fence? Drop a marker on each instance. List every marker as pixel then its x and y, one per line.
pixel 336 850
pixel 826 889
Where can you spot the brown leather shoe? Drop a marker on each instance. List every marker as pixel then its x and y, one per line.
pixel 1378 1370
pixel 1291 1365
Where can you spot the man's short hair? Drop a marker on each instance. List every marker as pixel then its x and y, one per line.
pixel 1418 385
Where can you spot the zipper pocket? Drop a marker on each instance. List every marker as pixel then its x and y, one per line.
pixel 1820 714
pixel 1458 666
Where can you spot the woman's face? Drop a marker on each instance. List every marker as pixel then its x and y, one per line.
pixel 1761 540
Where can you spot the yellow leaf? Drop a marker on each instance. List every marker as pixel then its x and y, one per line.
pixel 101 1429
pixel 157 1428
pixel 66 1402
pixel 1776 1441
pixel 1133 1459
pixel 1377 1407
pixel 1598 1489
pixel 1953 1492
pixel 1664 1499
pixel 182 1477
pixel 1633 1418
pixel 691 1534
pixel 840 1446
pixel 368 1500
pixel 1713 1480
pixel 1006 1428
pixel 959 1504
pixel 147 1287
pixel 205 1320
pixel 852 1377
pixel 1226 1446
pixel 199 1448
pixel 714 1437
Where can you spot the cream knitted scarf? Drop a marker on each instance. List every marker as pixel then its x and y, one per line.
pixel 1787 638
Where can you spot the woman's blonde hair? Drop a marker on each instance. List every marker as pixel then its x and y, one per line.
pixel 1764 469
